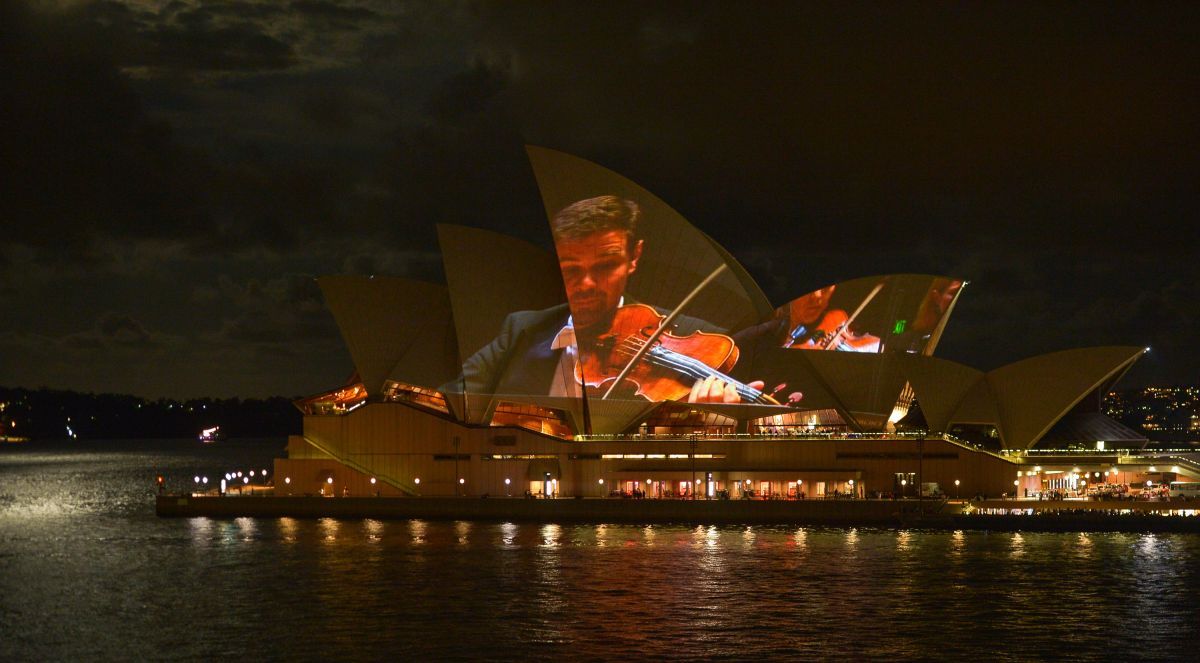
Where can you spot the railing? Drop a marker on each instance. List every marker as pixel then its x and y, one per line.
pixel 355 465
pixel 684 437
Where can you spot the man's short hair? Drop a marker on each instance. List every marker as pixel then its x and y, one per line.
pixel 592 215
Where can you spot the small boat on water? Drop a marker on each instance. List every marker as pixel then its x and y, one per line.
pixel 210 435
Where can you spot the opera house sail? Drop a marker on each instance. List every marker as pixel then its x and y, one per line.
pixel 638 356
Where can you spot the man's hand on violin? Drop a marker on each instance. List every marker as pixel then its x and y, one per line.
pixel 715 390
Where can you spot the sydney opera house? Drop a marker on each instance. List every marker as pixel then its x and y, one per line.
pixel 639 358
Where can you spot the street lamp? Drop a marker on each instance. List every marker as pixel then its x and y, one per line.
pixel 507 482
pixel 956 483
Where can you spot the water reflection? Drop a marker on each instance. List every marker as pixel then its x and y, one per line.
pixel 329 529
pixel 416 529
pixel 508 534
pixel 462 529
pixel 287 530
pixel 248 527
pixel 201 530
pixel 800 538
pixel 550 535
pixel 374 530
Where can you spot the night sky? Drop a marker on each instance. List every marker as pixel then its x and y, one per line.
pixel 175 173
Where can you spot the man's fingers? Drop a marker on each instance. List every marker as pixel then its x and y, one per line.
pixel 716 389
pixel 731 395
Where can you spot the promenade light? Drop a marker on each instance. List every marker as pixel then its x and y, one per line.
pixel 1016 482
pixel 196 479
pixel 956 482
pixel 228 476
pixel 461 481
pixel 601 482
pixel 417 481
pixel 239 474
pixel 1096 474
pixel 852 482
pixel 904 482
pixel 245 479
pixel 507 481
pixel 204 480
pixel 251 472
pixel 329 480
pixel 264 473
pixel 287 479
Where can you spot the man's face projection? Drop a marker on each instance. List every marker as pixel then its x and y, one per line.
pixel 595 269
pixel 808 309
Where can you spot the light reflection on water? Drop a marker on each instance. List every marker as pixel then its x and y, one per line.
pixel 79 545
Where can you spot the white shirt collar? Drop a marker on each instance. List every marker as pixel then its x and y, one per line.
pixel 566 336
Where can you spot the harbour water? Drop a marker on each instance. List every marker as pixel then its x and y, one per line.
pixel 88 572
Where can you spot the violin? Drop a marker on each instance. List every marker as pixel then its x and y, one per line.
pixel 667 368
pixel 831 333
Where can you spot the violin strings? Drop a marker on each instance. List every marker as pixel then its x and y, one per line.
pixel 689 366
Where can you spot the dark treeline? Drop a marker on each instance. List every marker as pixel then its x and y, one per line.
pixel 53 414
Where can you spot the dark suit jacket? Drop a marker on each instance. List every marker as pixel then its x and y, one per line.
pixel 520 361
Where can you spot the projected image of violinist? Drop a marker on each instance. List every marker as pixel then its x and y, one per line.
pixel 896 313
pixel 602 340
pixel 814 323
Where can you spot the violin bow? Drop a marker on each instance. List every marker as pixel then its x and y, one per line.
pixel 845 326
pixel 663 327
